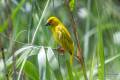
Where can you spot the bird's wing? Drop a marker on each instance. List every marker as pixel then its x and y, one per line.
pixel 64 37
pixel 66 41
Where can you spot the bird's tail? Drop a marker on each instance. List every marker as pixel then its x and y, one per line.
pixel 71 58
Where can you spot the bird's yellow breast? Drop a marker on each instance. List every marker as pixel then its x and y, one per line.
pixel 57 33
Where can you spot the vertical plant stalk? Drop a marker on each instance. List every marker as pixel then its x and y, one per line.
pixel 100 54
pixel 4 61
pixel 86 41
pixel 9 33
pixel 43 14
pixel 74 26
pixel 100 47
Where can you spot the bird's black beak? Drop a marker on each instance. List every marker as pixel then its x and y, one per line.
pixel 47 24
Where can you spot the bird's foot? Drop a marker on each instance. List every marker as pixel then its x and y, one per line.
pixel 61 50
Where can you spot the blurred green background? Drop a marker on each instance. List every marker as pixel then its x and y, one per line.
pixel 29 48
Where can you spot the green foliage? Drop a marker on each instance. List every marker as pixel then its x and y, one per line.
pixel 98 31
pixel 100 54
pixel 31 71
pixel 72 4
pixel 69 70
pixel 13 15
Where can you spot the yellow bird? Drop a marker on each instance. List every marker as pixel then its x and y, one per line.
pixel 61 35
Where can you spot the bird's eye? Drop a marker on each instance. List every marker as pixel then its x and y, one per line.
pixel 51 21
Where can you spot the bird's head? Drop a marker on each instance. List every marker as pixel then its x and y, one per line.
pixel 52 21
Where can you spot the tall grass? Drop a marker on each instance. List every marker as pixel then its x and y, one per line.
pixel 35 50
